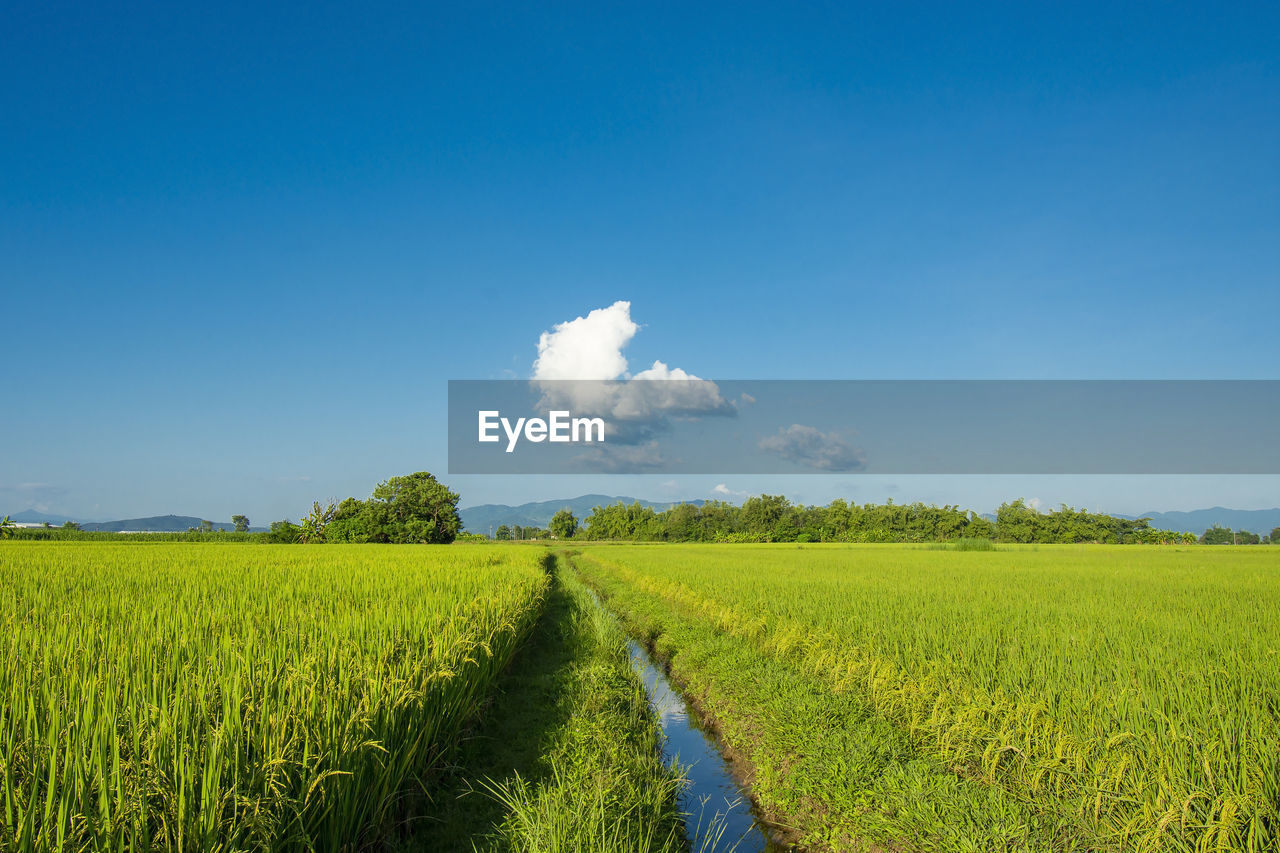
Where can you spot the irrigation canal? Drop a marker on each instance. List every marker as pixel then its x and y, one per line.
pixel 720 817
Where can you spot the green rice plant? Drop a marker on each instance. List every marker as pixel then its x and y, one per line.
pixel 1127 695
pixel 240 697
pixel 963 544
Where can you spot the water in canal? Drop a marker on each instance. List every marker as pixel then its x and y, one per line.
pixel 720 817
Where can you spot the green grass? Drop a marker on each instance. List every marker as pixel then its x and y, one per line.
pixel 566 756
pixel 236 697
pixel 964 544
pixel 1059 698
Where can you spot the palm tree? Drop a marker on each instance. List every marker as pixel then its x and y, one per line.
pixel 6 527
pixel 314 524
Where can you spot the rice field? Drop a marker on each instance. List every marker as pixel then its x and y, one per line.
pixel 240 697
pixel 198 696
pixel 1055 697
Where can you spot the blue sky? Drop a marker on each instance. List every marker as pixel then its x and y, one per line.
pixel 244 248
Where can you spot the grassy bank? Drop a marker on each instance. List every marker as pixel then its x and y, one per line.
pixel 565 758
pixel 1055 699
pixel 820 764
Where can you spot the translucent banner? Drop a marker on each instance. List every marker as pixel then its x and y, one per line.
pixel 742 426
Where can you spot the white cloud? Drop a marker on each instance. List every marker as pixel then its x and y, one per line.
pixel 662 390
pixel 806 445
pixel 587 347
pixel 723 490
pixel 661 371
pixel 590 348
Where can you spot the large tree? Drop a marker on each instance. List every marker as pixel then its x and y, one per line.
pixel 564 524
pixel 284 532
pixel 241 522
pixel 1218 535
pixel 352 522
pixel 414 508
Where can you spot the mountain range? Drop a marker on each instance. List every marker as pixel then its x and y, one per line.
pixel 154 524
pixel 30 516
pixel 487 517
pixel 1260 521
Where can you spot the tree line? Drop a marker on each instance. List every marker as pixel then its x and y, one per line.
pixel 417 508
pixel 522 533
pixel 1218 535
pixel 773 518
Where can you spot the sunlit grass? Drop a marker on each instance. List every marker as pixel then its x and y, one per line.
pixel 1130 693
pixel 199 697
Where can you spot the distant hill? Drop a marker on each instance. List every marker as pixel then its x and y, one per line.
pixel 483 518
pixel 1197 521
pixel 1260 521
pixel 157 524
pixel 30 516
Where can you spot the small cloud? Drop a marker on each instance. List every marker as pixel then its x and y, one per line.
pixel 806 445
pixel 1035 504
pixel 724 491
pixel 671 487
pixel 746 398
pixel 662 391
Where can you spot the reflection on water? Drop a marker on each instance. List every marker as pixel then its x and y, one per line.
pixel 720 817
